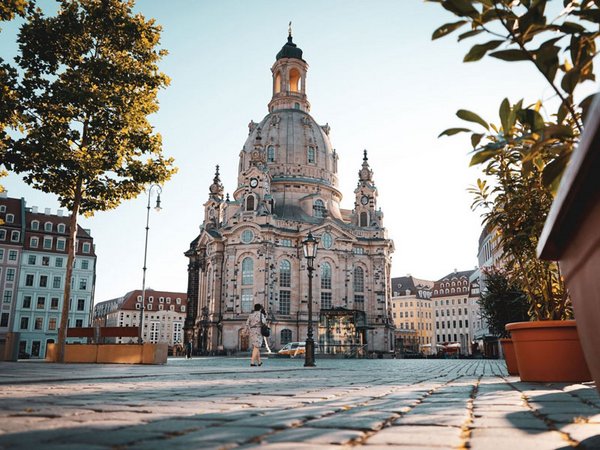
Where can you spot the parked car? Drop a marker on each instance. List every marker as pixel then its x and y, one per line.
pixel 293 349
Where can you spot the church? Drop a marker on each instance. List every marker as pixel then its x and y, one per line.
pixel 249 249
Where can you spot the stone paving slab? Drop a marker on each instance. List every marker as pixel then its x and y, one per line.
pixel 221 403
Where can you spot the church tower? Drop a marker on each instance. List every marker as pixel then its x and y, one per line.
pixel 249 249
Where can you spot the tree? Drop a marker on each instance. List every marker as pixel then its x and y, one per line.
pixel 90 80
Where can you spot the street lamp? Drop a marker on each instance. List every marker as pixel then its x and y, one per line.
pixel 157 208
pixel 309 245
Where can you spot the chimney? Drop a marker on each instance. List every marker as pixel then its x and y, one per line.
pixel 47 211
pixel 455 270
pixel 4 194
pixel 59 212
pixel 34 209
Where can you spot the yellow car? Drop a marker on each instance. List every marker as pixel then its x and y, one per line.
pixel 293 349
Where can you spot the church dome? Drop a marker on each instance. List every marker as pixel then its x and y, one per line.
pixel 289 50
pixel 295 148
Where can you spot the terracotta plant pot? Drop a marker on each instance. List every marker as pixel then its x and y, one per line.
pixel 510 358
pixel 549 351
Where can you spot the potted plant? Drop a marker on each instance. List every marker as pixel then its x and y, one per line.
pixel 523 157
pixel 502 302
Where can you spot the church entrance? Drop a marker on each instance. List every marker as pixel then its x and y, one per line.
pixel 342 332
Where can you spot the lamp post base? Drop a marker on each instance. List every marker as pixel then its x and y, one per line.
pixel 309 355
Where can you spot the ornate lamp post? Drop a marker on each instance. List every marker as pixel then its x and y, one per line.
pixel 157 208
pixel 309 245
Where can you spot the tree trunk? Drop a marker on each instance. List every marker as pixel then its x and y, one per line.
pixel 72 249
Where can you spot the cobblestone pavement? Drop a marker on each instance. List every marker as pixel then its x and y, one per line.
pixel 222 403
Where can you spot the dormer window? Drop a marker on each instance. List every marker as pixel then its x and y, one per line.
pixel 319 208
pixel 10 218
pixel 35 225
pixel 61 227
pixel 48 226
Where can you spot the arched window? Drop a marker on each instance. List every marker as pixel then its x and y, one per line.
pixel 285 273
pixel 364 219
pixel 270 153
pixel 247 271
pixel 295 80
pixel 359 279
pixel 278 82
pixel 319 208
pixel 35 225
pixel 61 227
pixel 48 226
pixel 285 336
pixel 311 155
pixel 250 203
pixel 325 275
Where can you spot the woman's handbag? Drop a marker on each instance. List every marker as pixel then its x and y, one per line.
pixel 265 330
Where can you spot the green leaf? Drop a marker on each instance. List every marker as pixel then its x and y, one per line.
pixel 511 55
pixel 462 8
pixel 504 115
pixel 531 118
pixel 478 51
pixel 447 29
pixel 472 117
pixel 553 171
pixel 571 28
pixel 482 156
pixel 453 131
pixel 570 80
pixel 585 106
pixel 475 139
pixel 469 34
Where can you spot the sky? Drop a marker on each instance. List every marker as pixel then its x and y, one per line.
pixel 375 76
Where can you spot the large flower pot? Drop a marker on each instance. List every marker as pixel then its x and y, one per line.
pixel 549 351
pixel 508 349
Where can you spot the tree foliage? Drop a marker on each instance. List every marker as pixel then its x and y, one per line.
pixel 90 81
pixel 501 302
pixel 525 154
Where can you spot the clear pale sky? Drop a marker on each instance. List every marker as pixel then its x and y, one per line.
pixel 375 76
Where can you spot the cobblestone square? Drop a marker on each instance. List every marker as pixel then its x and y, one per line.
pixel 222 403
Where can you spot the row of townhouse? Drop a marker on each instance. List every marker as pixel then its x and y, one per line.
pixel 33 260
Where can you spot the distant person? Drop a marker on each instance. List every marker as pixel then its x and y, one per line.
pixel 253 324
pixel 188 350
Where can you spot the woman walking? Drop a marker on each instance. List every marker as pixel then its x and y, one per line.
pixel 253 324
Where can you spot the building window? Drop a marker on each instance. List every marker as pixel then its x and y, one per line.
pixel 79 323
pixel 182 308
pixel 247 271
pixel 319 208
pixel 33 242
pixel 285 242
pixel 285 274
pixel 247 301
pixel 60 244
pixel 161 299
pixel 52 324
pixel 45 260
pixel 270 153
pixel 47 243
pixel 364 219
pixel 12 255
pixel 61 227
pixel 43 280
pixel 154 331
pixel 359 301
pixel 81 304
pixel 285 336
pixel 1 254
pixel 7 298
pixel 2 235
pixel 359 279
pixel 10 274
pixel 284 302
pixel 48 226
pixel 15 236
pixel 54 303
pixel 247 236
pixel 56 282
pixel 29 279
pixel 250 203
pixel 86 247
pixel 358 251
pixel 26 301
pixel 10 218
pixel 39 323
pixel 326 240
pixel 4 320
pixel 24 323
pixel 310 155
pixel 41 302
pixel 326 300
pixel 325 275
pixel 58 262
pixel 83 284
pixel 35 225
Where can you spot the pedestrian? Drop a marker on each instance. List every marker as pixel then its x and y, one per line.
pixel 188 350
pixel 255 321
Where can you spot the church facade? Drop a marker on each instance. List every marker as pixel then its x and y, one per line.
pixel 249 249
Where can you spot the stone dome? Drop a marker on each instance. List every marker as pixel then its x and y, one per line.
pixel 289 50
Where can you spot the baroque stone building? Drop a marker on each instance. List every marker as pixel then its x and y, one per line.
pixel 249 249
